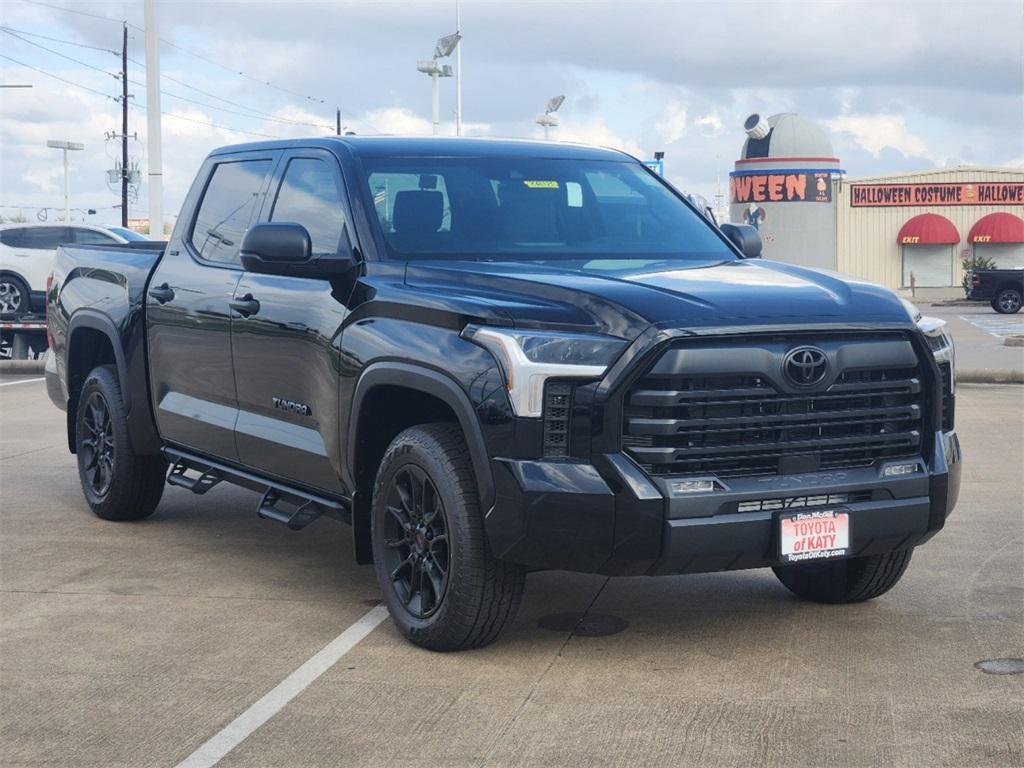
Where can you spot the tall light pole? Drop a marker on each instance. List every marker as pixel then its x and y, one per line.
pixel 458 72
pixel 66 146
pixel 153 140
pixel 445 46
pixel 548 119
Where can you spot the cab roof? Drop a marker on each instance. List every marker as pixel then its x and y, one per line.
pixel 437 146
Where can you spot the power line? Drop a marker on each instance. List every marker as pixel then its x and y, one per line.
pixel 238 72
pixel 184 50
pixel 62 55
pixel 257 115
pixel 254 112
pixel 211 125
pixel 172 95
pixel 135 106
pixel 57 77
pixel 230 111
pixel 74 10
pixel 59 40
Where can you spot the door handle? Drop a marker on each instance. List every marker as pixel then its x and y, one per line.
pixel 162 293
pixel 245 306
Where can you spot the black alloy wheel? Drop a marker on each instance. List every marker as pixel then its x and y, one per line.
pixel 1008 301
pixel 97 445
pixel 118 483
pixel 415 535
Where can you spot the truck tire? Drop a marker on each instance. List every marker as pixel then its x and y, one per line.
pixel 118 483
pixel 15 299
pixel 443 587
pixel 1007 301
pixel 845 581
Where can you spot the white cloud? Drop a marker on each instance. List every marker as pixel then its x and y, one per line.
pixel 672 126
pixel 710 125
pixel 877 132
pixel 598 133
pixel 400 121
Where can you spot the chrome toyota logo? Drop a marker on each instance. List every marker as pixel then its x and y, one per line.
pixel 805 366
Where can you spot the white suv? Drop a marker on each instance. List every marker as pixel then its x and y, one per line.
pixel 26 257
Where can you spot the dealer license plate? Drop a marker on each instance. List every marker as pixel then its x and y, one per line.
pixel 814 535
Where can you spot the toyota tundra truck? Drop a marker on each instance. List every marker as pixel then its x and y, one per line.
pixel 495 357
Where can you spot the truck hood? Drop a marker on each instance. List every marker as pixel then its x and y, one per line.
pixel 623 298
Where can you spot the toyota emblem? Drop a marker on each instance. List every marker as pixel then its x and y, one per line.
pixel 805 366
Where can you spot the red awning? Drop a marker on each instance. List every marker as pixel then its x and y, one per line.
pixel 928 229
pixel 998 227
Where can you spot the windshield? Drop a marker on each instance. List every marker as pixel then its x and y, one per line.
pixel 510 208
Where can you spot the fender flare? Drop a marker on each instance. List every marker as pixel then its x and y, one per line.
pixel 96 322
pixel 438 385
pixel 88 318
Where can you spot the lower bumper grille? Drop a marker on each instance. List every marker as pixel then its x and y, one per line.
pixel 741 424
pixel 802 502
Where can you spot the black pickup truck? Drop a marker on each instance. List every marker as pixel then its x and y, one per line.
pixel 491 357
pixel 1003 289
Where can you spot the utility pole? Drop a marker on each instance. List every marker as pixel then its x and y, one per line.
pixel 458 72
pixel 65 147
pixel 156 192
pixel 124 125
pixel 337 122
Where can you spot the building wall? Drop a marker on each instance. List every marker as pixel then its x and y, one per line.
pixel 866 237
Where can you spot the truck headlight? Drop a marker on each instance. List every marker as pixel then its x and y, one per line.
pixel 941 346
pixel 529 358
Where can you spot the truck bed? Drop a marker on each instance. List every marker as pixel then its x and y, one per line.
pixel 98 297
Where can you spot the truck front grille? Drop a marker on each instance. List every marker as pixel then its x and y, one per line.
pixel 742 424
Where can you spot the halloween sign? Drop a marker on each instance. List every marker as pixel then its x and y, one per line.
pixel 781 188
pixel 897 195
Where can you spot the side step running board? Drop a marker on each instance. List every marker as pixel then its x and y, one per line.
pixel 198 485
pixel 296 520
pixel 294 507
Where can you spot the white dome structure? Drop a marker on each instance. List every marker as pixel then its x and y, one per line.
pixel 783 185
pixel 785 135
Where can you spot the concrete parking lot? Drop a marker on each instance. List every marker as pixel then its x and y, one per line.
pixel 133 644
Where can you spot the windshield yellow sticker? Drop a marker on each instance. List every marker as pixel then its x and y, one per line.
pixel 541 184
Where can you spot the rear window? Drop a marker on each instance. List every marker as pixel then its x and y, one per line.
pixel 227 209
pixel 502 208
pixel 11 237
pixel 38 238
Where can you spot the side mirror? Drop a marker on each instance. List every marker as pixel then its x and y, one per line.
pixel 285 248
pixel 745 237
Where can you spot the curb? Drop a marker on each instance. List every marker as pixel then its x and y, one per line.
pixel 12 367
pixel 989 376
pixel 1016 340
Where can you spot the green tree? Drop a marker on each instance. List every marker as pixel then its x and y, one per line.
pixel 974 261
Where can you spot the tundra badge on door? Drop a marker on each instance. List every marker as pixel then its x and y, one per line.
pixel 290 405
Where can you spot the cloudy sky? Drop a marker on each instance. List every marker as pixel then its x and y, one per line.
pixel 901 85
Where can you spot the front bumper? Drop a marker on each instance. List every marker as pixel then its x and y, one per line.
pixel 609 517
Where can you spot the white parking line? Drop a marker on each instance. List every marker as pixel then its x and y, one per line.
pixel 239 729
pixel 23 381
pixel 996 325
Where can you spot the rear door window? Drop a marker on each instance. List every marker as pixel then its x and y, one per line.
pixel 309 195
pixel 43 238
pixel 227 208
pixel 11 237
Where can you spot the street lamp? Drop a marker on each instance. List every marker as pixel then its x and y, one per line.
pixel 65 146
pixel 445 47
pixel 548 119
